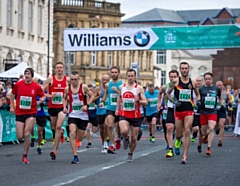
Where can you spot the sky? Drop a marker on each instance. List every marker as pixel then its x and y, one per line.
pixel 135 7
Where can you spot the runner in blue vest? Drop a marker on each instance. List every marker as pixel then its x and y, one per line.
pixel 112 95
pixel 152 111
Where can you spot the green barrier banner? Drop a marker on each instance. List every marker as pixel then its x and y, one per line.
pixel 156 38
pixel 8 127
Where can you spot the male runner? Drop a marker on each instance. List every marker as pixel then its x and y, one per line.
pixel 112 95
pixel 101 111
pixel 170 121
pixel 226 97
pixel 209 94
pixel 152 111
pixel 55 86
pixel 129 113
pixel 77 115
pixel 26 108
pixel 183 92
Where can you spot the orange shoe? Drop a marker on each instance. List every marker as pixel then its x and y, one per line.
pixel 205 139
pixel 25 160
pixel 208 152
pixel 78 143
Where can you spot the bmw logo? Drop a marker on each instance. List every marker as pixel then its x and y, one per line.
pixel 141 38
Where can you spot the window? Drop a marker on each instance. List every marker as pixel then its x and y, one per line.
pixel 110 59
pixel 39 66
pixel 30 17
pixel 9 13
pixel 163 78
pixel 30 62
pixel 69 57
pixel 93 58
pixel 122 59
pixel 20 14
pixel 202 70
pixel 39 20
pixel 161 57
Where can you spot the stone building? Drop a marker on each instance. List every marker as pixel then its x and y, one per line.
pixel 24 34
pixel 91 65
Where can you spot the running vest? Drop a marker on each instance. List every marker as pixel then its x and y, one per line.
pixel 169 103
pixel 76 102
pixel 224 98
pixel 112 95
pixel 57 87
pixel 129 107
pixel 101 110
pixel 184 93
pixel 40 108
pixel 151 107
pixel 92 110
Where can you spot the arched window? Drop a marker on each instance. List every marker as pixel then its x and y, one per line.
pixel 202 70
pixel 30 62
pixel 39 66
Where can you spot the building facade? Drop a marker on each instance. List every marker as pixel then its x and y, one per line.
pixel 24 34
pixel 91 65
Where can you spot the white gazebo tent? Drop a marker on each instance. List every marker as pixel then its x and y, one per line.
pixel 16 71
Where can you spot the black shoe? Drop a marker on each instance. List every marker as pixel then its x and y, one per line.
pixel 217 131
pixel 199 149
pixel 89 145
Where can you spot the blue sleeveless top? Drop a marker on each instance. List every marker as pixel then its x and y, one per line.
pixel 112 95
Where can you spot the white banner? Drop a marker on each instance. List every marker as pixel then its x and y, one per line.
pixel 1 128
pixel 102 39
pixel 237 124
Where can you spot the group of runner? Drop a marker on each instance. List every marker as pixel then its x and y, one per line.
pixel 186 103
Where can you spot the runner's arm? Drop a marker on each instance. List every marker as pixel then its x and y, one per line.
pixel 162 90
pixel 47 83
pixel 196 90
pixel 89 93
pixel 65 97
pixel 96 95
pixel 105 95
pixel 173 84
pixel 119 100
pixel 143 101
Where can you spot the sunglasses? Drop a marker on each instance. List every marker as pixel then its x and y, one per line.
pixel 74 79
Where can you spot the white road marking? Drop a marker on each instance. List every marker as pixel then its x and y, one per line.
pixel 70 181
pixel 111 166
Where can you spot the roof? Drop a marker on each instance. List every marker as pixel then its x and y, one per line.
pixel 181 16
pixel 156 15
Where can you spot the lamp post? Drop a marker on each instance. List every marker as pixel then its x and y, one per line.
pixel 48 50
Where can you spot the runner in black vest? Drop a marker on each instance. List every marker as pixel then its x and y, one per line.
pixel 183 89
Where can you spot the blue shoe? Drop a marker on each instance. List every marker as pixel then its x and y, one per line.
pixel 167 147
pixel 39 150
pixel 32 142
pixel 75 160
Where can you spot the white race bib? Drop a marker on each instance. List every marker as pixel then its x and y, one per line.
pixel 77 106
pixel 210 102
pixel 128 104
pixel 113 99
pixel 58 100
pixel 153 102
pixel 185 95
pixel 25 102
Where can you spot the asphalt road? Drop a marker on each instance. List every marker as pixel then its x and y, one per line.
pixel 150 167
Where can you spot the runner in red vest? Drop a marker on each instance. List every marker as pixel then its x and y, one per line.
pixel 26 108
pixel 130 98
pixel 55 86
pixel 77 114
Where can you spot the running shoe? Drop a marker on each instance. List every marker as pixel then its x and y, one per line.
pixel 104 151
pixel 108 141
pixel 193 139
pixel 167 147
pixel 105 145
pixel 139 135
pixel 153 140
pixel 118 144
pixel 169 154
pixel 184 161
pixel 205 139
pixel 129 158
pixel 220 143
pixel 25 160
pixel 53 155
pixel 43 142
pixel 112 150
pixel 89 145
pixel 78 143
pixel 53 141
pixel 67 139
pixel 208 152
pixel 199 149
pixel 150 138
pixel 32 141
pixel 62 136
pixel 39 150
pixel 178 144
pixel 126 143
pixel 217 131
pixel 75 160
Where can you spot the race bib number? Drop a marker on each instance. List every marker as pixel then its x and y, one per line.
pixel 185 95
pixel 210 102
pixel 91 106
pixel 77 106
pixel 165 114
pixel 128 104
pixel 113 99
pixel 58 99
pixel 38 106
pixel 105 103
pixel 153 102
pixel 25 102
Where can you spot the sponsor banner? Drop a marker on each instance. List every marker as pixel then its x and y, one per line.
pixel 157 38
